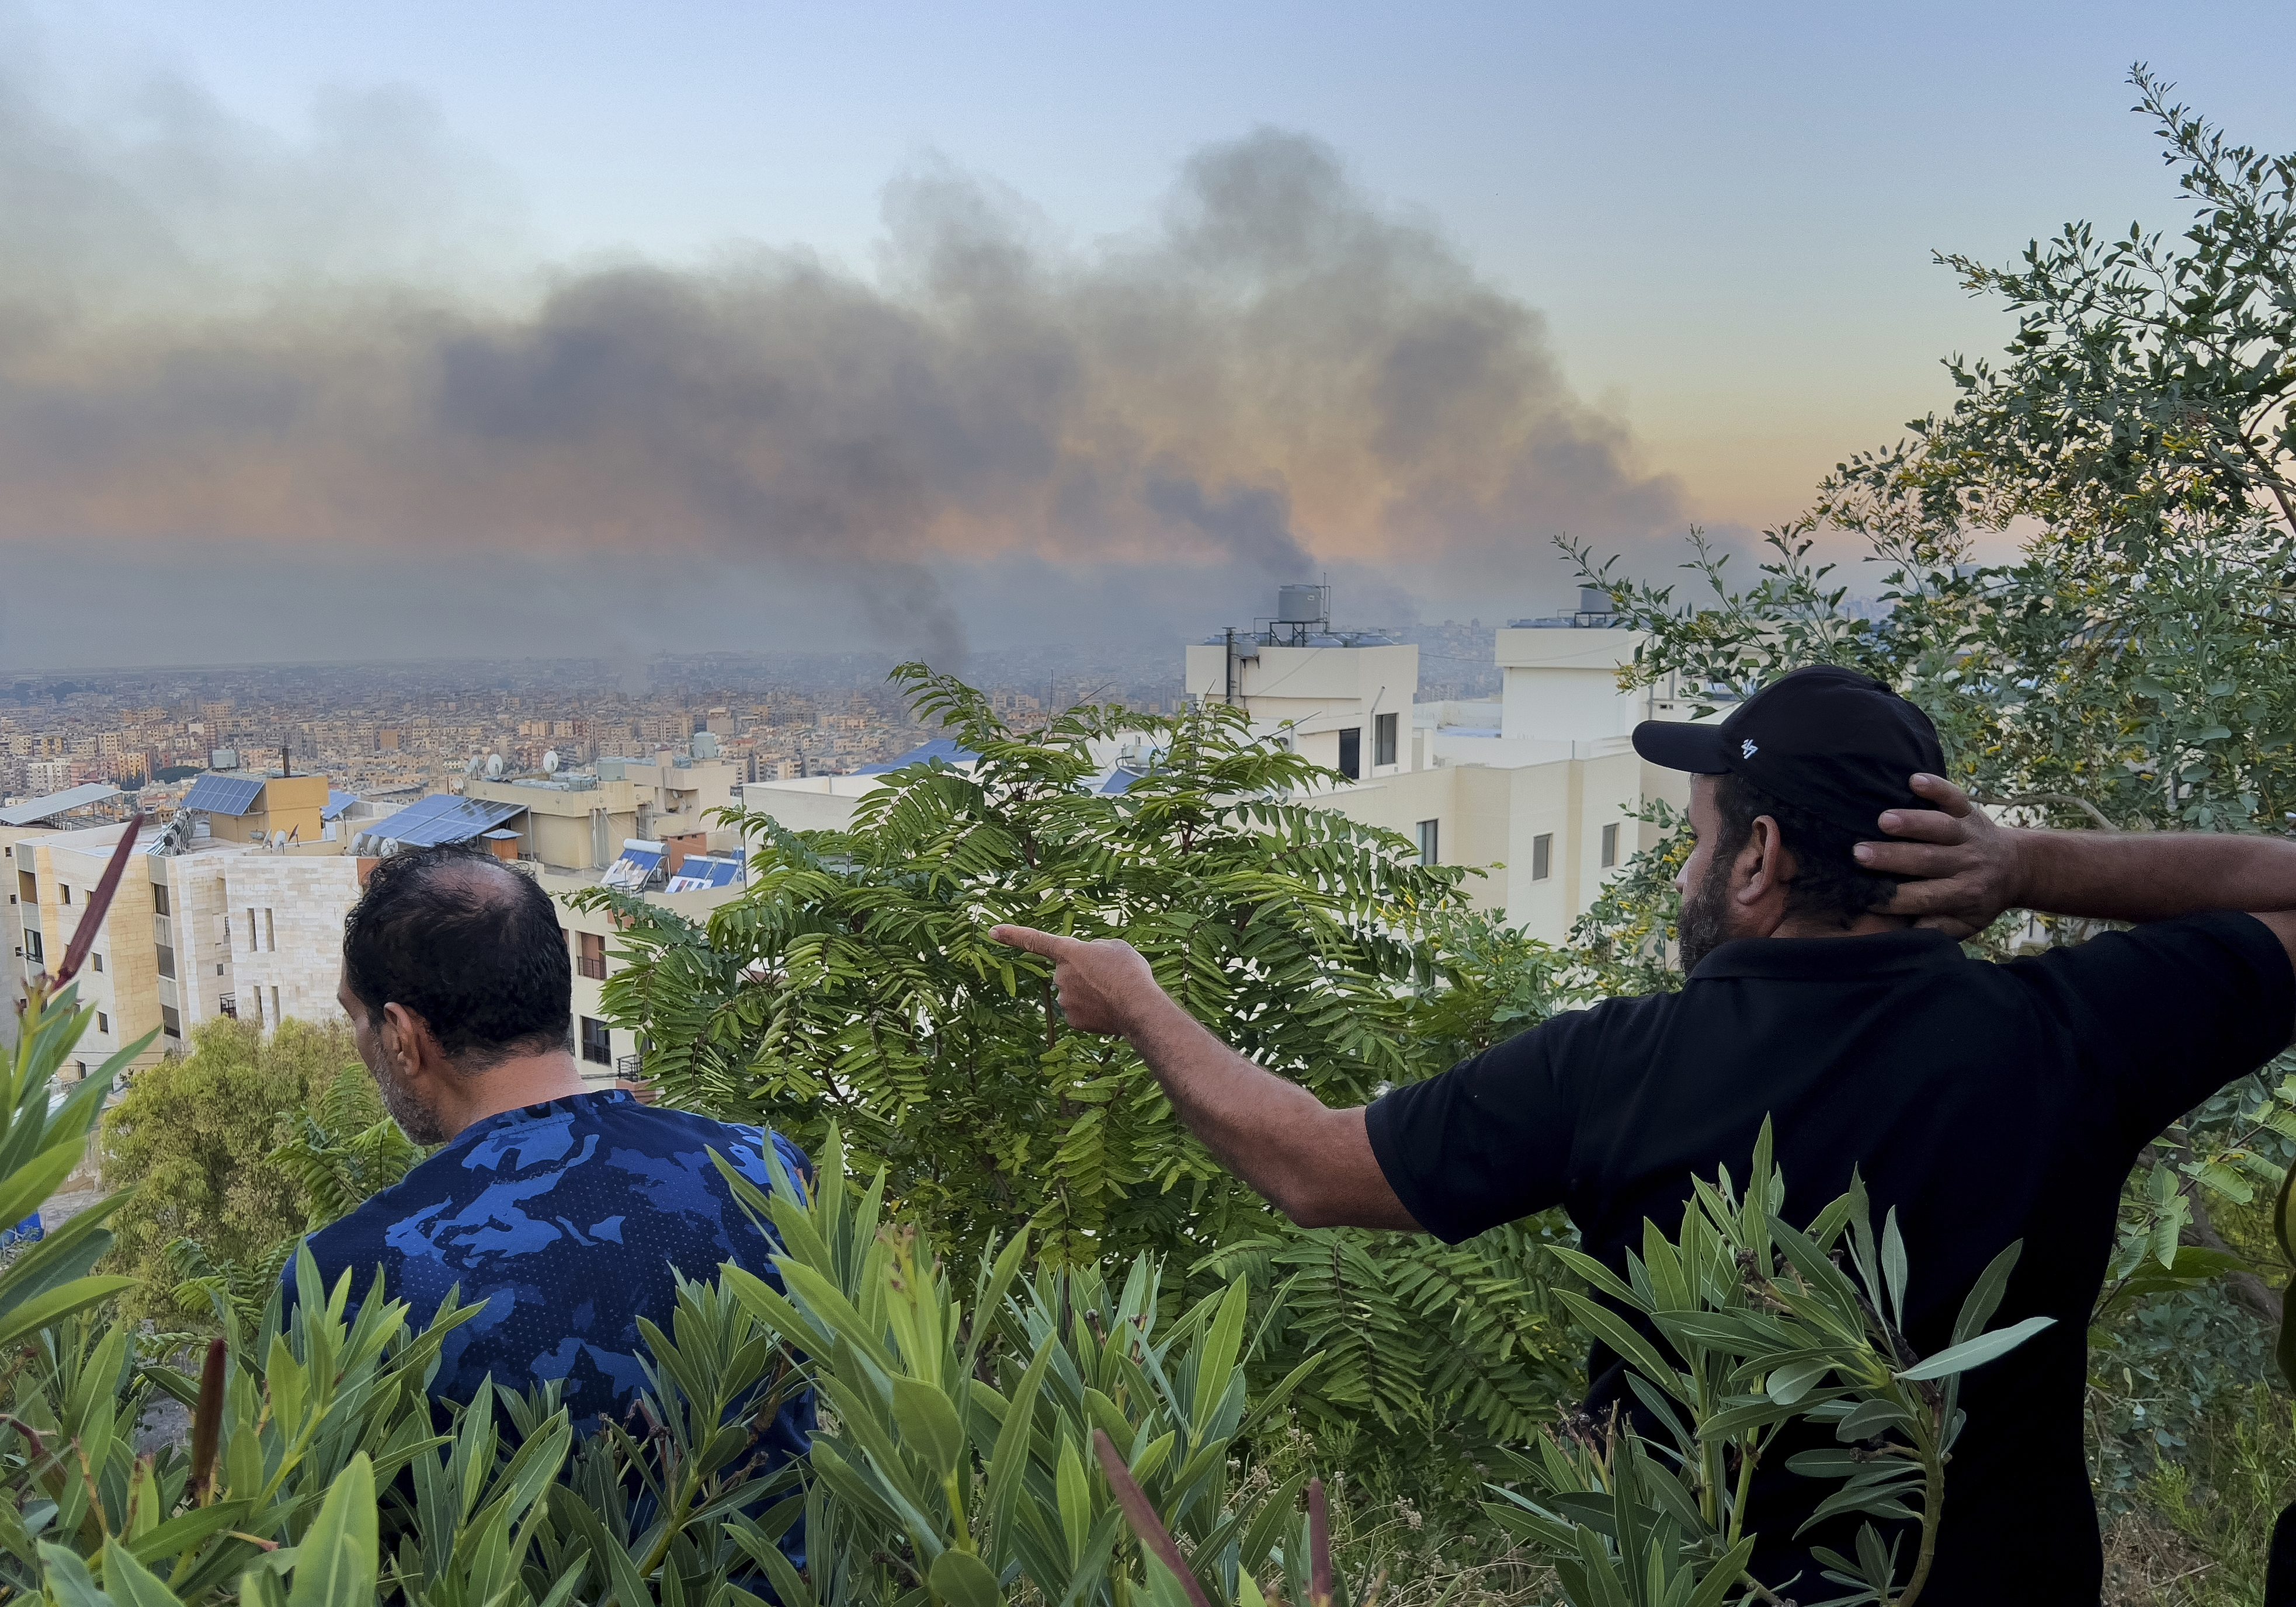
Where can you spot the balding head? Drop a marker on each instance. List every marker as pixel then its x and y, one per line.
pixel 469 945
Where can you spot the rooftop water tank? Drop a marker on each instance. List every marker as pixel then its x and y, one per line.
pixel 1593 600
pixel 1299 604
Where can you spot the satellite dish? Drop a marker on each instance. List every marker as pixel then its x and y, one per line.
pixel 278 839
pixel 550 762
pixel 494 766
pixel 472 768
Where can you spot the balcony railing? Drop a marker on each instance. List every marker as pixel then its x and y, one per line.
pixel 629 1076
pixel 596 969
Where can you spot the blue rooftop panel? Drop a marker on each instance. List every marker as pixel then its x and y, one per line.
pixel 443 817
pixel 217 794
pixel 630 872
pixel 947 750
pixel 337 802
pixel 696 874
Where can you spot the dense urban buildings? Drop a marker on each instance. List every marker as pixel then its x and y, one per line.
pixel 270 789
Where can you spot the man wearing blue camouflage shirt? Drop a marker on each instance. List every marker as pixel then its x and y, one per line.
pixel 560 1210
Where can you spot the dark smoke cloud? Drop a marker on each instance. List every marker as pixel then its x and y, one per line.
pixel 300 390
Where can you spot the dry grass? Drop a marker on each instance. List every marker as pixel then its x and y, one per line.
pixel 1417 1564
pixel 2149 1565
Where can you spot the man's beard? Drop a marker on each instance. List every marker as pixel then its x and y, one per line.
pixel 1704 923
pixel 418 1120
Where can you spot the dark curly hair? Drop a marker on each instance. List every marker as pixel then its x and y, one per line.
pixel 469 945
pixel 1828 884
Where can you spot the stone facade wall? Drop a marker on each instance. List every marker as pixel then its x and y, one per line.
pixel 294 962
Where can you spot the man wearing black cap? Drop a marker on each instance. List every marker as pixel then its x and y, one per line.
pixel 1986 1102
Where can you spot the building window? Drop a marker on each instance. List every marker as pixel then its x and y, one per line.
pixel 270 938
pixel 32 950
pixel 256 994
pixel 594 956
pixel 29 885
pixel 103 1022
pixel 167 960
pixel 597 1042
pixel 97 961
pixel 1609 845
pixel 1383 739
pixel 1541 856
pixel 170 1023
pixel 63 892
pixel 250 932
pixel 1431 842
pixel 276 1017
pixel 1351 752
pixel 159 898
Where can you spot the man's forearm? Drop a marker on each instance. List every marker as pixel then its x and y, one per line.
pixel 2153 875
pixel 1310 1161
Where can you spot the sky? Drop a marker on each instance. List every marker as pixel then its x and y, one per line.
pixel 428 328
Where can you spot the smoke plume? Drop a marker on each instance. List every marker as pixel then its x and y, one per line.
pixel 257 399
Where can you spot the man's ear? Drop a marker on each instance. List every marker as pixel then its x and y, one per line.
pixel 405 1039
pixel 1765 865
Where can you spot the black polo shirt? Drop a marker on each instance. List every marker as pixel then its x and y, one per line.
pixel 1987 1102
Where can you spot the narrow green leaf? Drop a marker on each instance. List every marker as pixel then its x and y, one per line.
pixel 1985 1295
pixel 1977 1352
pixel 336 1562
pixel 130 1584
pixel 1893 1267
pixel 1613 1331
pixel 928 1424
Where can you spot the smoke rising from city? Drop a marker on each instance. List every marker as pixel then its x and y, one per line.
pixel 313 396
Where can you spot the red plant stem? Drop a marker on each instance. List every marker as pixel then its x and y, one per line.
pixel 1319 1546
pixel 99 902
pixel 207 1422
pixel 1142 1516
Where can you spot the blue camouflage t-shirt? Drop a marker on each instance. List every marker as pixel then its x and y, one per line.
pixel 564 1219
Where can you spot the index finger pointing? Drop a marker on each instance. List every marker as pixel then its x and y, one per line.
pixel 1050 945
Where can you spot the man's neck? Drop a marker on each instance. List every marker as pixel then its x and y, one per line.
pixel 1866 925
pixel 527 1080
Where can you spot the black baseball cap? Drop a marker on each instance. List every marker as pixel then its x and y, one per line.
pixel 1829 740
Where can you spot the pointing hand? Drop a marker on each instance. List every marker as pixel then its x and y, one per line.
pixel 1103 984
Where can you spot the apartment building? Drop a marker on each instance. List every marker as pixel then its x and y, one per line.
pixel 676 875
pixel 217 915
pixel 1539 791
pixel 578 823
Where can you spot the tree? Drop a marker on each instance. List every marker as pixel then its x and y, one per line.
pixel 199 1139
pixel 854 982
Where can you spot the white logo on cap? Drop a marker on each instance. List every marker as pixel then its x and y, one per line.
pixel 1746 750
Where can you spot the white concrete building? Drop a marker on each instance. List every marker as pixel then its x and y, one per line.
pixel 1538 791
